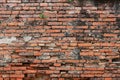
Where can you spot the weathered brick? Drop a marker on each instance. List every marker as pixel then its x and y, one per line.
pixel 30 71
pixel 44 4
pixel 17 76
pixel 71 40
pixel 2 1
pixel 14 1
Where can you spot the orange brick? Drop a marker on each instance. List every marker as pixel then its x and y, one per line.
pixel 19 79
pixel 30 71
pixel 110 35
pixel 57 64
pixel 18 68
pixel 108 78
pixel 73 44
pixel 61 79
pixel 43 4
pixel 84 44
pixel 52 31
pixel 1 78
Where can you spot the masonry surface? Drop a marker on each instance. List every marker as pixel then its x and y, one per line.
pixel 59 39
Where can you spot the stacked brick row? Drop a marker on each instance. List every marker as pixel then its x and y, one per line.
pixel 59 40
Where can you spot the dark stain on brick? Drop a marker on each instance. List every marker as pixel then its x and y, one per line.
pixel 104 60
pixel 75 54
pixel 17 17
pixel 67 34
pixel 35 23
pixel 78 23
pixel 89 57
pixel 118 23
pixel 84 13
pixel 25 1
pixel 116 60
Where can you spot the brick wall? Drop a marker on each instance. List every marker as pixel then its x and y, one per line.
pixel 59 40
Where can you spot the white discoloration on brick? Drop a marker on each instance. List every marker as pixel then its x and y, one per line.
pixel 5 59
pixel 7 40
pixel 27 38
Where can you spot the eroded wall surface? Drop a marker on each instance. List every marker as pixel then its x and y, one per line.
pixel 59 40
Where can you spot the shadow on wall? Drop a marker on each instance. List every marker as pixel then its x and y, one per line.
pixel 42 77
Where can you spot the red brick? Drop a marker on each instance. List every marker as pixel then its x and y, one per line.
pixel 110 35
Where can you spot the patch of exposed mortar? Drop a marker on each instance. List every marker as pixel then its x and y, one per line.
pixel 58 55
pixel 77 23
pixel 35 23
pixel 32 23
pixel 49 55
pixel 43 57
pixel 7 40
pixel 89 57
pixel 96 35
pixel 5 59
pixel 27 38
pixel 25 1
pixel 75 54
pixel 9 7
pixel 28 54
pixel 67 33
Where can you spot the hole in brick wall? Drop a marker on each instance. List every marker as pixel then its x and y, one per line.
pixel 17 17
pixel 116 60
pixel 104 60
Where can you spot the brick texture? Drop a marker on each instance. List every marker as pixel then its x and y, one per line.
pixel 59 39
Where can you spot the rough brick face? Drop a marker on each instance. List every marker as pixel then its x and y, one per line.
pixel 59 40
